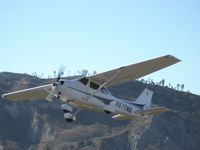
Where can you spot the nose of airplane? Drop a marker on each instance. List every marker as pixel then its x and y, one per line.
pixel 57 87
pixel 57 83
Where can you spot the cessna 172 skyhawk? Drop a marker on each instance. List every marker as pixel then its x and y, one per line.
pixel 91 92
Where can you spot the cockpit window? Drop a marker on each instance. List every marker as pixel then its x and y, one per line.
pixel 94 85
pixel 104 91
pixel 84 81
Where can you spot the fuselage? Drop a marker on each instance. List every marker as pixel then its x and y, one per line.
pixel 88 96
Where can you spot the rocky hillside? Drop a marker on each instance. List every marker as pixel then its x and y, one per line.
pixel 39 124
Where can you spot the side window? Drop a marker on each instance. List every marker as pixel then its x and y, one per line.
pixel 84 81
pixel 94 85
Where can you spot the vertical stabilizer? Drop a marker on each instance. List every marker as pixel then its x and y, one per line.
pixel 145 98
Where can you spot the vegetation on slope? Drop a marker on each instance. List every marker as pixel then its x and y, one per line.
pixel 38 124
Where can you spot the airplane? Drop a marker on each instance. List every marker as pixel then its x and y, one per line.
pixel 91 92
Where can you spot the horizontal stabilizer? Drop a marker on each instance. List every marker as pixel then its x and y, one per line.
pixel 153 111
pixel 124 117
pixel 141 113
pixel 121 117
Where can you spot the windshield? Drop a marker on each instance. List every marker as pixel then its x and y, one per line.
pixel 104 91
pixel 84 81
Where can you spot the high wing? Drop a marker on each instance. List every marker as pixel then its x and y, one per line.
pixel 28 94
pixel 134 71
pixel 150 111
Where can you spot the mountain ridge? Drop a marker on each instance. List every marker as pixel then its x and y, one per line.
pixel 38 124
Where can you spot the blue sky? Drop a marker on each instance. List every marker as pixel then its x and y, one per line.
pixel 40 35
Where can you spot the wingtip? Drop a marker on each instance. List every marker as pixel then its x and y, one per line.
pixel 175 58
pixel 178 60
pixel 3 96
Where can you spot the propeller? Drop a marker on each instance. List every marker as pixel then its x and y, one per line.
pixel 60 73
pixel 55 84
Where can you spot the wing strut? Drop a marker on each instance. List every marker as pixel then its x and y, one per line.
pixel 110 79
pixel 106 82
pixel 50 92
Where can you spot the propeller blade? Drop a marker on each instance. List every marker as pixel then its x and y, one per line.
pixel 58 78
pixel 60 72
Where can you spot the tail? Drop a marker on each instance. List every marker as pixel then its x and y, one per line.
pixel 144 98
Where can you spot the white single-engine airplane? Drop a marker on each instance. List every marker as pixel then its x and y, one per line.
pixel 91 92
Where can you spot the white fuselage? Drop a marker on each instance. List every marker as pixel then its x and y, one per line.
pixel 83 96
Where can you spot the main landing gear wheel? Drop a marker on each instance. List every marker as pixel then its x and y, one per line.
pixel 69 117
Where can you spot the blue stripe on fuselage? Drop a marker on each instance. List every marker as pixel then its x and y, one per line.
pixel 103 100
